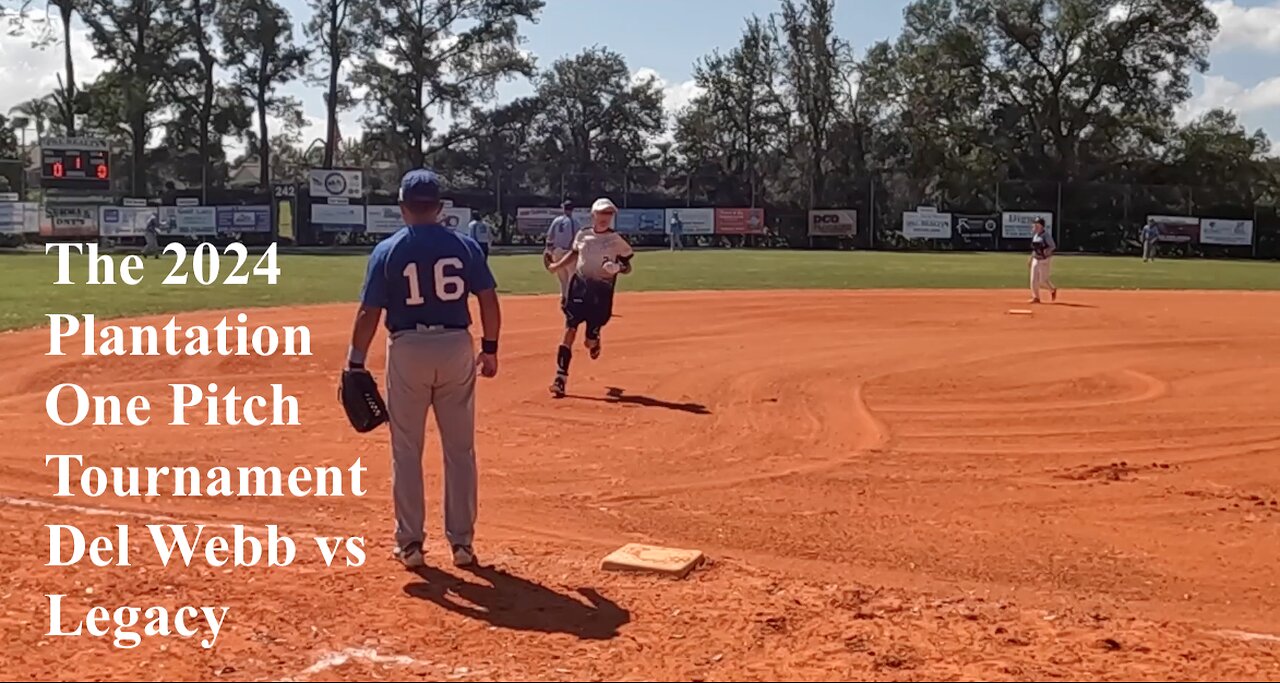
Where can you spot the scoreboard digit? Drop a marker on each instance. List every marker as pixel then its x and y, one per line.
pixel 75 164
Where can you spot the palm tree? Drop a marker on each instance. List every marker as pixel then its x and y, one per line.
pixel 38 111
pixel 20 124
pixel 66 94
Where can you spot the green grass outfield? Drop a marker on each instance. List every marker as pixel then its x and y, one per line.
pixel 27 291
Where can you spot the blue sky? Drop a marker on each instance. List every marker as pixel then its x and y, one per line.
pixel 665 37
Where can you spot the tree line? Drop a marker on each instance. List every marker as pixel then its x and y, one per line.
pixel 972 93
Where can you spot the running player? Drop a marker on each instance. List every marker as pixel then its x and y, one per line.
pixel 598 254
pixel 1042 249
pixel 421 277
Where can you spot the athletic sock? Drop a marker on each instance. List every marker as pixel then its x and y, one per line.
pixel 563 356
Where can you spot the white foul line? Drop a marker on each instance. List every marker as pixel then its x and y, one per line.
pixel 119 512
pixel 332 660
pixel 1247 636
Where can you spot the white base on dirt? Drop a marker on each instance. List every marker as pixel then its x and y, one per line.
pixel 636 557
pixel 1020 311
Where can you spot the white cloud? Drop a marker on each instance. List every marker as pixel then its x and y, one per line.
pixel 1256 28
pixel 674 95
pixel 1227 94
pixel 28 72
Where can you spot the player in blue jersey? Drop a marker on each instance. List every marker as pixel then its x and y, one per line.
pixel 420 277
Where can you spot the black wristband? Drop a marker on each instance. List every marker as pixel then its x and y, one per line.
pixel 489 346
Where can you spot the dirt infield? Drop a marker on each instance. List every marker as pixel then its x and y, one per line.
pixel 890 485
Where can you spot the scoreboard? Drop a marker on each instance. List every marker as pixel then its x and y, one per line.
pixel 75 164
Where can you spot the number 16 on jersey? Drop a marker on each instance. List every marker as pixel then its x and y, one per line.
pixel 448 287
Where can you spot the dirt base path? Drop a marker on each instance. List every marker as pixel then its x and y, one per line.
pixel 889 485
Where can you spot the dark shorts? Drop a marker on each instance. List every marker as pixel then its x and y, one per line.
pixel 589 302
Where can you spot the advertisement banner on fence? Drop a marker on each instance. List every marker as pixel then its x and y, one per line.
pixel 30 218
pixel 1016 225
pixel 124 221
pixel 338 217
pixel 11 217
pixel 976 227
pixel 739 221
pixel 926 224
pixel 640 221
pixel 69 220
pixel 1228 231
pixel 536 220
pixel 1177 229
pixel 833 222
pixel 325 183
pixel 455 217
pixel 692 221
pixel 244 219
pixel 382 219
pixel 189 220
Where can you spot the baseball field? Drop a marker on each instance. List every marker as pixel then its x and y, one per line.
pixel 892 477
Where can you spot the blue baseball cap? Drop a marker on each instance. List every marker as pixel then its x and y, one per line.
pixel 420 185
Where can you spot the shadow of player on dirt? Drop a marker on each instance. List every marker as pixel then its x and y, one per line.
pixel 508 601
pixel 618 395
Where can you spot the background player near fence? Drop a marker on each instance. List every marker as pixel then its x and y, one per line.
pixel 598 254
pixel 151 235
pixel 560 236
pixel 1150 236
pixel 421 277
pixel 479 231
pixel 675 232
pixel 1041 263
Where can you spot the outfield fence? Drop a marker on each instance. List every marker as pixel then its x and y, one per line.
pixel 885 212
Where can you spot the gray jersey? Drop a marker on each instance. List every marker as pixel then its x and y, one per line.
pixel 561 233
pixel 596 249
pixel 1041 245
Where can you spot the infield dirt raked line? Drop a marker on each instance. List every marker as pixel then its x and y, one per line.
pixel 887 485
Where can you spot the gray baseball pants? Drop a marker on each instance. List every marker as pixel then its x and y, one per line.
pixel 432 368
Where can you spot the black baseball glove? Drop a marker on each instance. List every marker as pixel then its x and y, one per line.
pixel 358 393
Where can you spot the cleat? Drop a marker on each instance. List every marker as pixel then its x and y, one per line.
pixel 594 349
pixel 463 556
pixel 1053 294
pixel 410 556
pixel 557 387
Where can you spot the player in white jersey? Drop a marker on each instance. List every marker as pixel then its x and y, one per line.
pixel 598 255
pixel 559 243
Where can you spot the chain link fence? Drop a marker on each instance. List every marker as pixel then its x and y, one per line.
pixel 1085 217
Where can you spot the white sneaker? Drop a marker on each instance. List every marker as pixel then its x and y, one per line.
pixel 411 556
pixel 463 556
